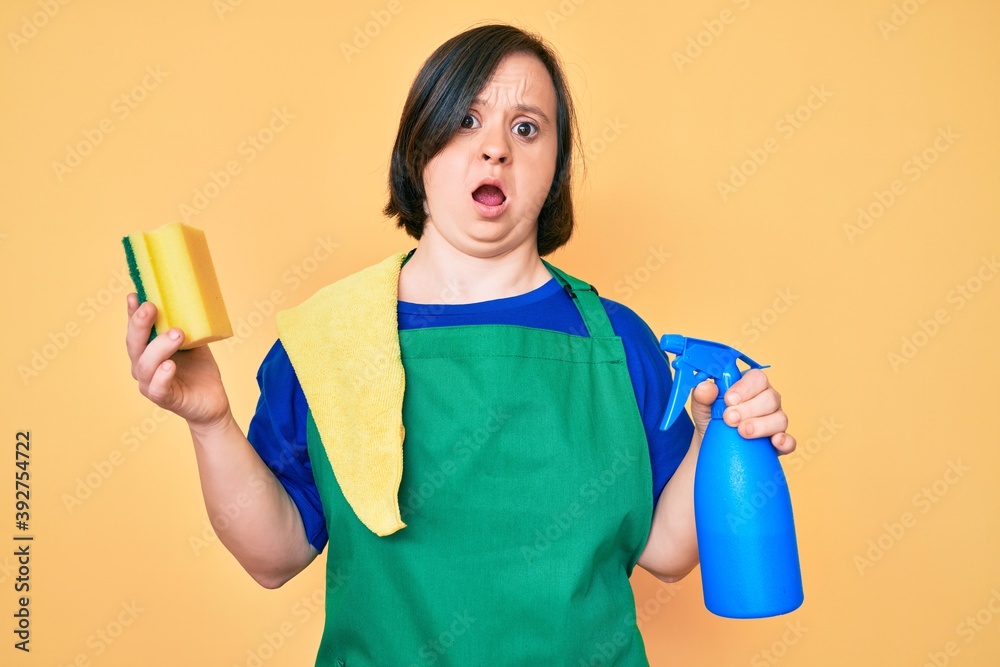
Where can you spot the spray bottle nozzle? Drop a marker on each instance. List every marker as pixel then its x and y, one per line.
pixel 696 361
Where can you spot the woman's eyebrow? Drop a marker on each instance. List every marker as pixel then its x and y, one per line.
pixel 521 108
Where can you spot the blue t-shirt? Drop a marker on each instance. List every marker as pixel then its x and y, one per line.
pixel 278 428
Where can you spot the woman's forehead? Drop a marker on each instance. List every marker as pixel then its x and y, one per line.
pixel 519 80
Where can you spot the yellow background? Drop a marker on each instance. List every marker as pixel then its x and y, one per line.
pixel 672 98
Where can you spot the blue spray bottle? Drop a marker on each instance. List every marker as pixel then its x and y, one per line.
pixel 743 512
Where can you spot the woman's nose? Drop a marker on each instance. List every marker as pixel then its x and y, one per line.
pixel 494 146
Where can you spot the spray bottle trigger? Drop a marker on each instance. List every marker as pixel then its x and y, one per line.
pixel 686 379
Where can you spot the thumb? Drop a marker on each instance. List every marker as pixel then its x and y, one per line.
pixel 701 404
pixel 705 393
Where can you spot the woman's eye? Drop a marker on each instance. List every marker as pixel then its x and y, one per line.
pixel 468 121
pixel 524 129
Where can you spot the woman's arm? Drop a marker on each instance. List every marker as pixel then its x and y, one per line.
pixel 249 508
pixel 672 548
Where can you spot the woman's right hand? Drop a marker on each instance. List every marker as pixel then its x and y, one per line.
pixel 185 382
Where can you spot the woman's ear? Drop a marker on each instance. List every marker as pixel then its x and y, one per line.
pixel 427 210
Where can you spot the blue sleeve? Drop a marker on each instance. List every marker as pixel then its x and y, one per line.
pixel 278 432
pixel 650 372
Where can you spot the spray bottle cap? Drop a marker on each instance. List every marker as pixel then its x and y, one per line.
pixel 696 361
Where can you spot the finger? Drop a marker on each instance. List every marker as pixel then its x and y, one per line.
pixel 140 324
pixel 132 304
pixel 162 348
pixel 752 383
pixel 705 392
pixel 763 427
pixel 160 386
pixel 762 404
pixel 784 443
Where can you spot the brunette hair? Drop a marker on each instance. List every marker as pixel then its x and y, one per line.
pixel 439 98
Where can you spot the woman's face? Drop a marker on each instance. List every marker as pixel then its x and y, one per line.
pixel 508 136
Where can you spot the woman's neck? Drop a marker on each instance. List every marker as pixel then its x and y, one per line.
pixel 442 274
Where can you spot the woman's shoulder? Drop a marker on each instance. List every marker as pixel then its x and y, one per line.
pixel 276 367
pixel 628 325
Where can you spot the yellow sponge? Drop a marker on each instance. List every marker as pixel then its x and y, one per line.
pixel 171 268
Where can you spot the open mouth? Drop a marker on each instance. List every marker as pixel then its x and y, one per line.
pixel 489 195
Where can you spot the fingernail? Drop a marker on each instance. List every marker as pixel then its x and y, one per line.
pixel 749 429
pixel 733 397
pixel 175 334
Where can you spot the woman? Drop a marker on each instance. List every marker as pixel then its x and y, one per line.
pixel 493 512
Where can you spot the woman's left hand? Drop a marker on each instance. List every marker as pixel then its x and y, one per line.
pixel 754 408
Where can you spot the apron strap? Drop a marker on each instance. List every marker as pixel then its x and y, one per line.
pixel 587 301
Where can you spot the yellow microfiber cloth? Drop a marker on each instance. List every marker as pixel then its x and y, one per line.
pixel 343 343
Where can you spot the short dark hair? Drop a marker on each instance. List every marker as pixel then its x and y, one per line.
pixel 439 98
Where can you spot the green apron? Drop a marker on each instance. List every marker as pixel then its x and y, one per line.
pixel 527 494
